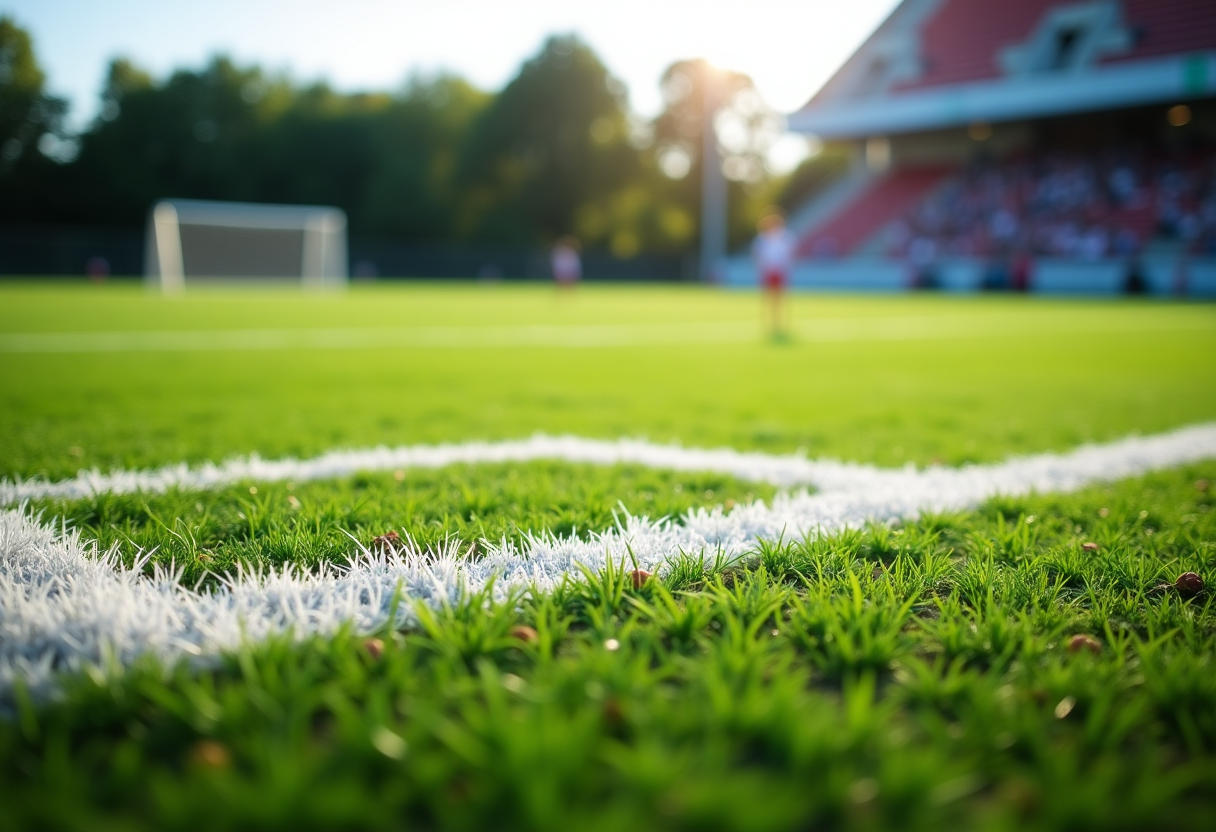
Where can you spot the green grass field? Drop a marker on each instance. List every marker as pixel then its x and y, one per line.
pixel 916 676
pixel 1002 376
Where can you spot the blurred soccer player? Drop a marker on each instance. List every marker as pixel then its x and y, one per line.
pixel 567 266
pixel 773 254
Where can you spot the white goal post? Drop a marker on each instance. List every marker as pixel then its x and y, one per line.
pixel 240 242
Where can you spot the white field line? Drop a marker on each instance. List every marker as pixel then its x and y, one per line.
pixel 822 330
pixel 777 470
pixel 781 470
pixel 66 607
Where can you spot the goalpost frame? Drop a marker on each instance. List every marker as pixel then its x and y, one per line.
pixel 322 254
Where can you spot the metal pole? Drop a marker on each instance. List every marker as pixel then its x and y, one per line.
pixel 713 184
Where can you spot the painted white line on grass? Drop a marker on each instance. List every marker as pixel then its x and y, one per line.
pixel 821 330
pixel 352 338
pixel 758 467
pixel 64 607
pixel 780 470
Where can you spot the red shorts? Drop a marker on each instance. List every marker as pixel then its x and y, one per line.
pixel 774 279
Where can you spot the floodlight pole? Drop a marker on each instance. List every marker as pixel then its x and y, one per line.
pixel 713 183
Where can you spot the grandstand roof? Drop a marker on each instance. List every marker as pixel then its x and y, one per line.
pixel 942 63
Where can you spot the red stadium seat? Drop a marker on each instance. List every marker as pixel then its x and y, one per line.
pixel 883 201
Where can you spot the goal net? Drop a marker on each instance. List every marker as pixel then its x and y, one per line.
pixel 228 242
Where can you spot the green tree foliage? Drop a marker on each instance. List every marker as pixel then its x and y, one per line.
pixel 190 136
pixel 228 132
pixel 554 139
pixel 414 193
pixel 27 113
pixel 555 152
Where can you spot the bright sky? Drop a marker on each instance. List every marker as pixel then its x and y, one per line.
pixel 789 47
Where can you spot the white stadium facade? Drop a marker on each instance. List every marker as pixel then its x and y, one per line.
pixel 1034 145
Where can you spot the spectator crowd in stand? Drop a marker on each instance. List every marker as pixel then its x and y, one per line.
pixel 1060 205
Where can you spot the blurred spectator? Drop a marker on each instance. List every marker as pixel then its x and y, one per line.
pixel 567 265
pixel 98 269
pixel 1019 272
pixel 1089 207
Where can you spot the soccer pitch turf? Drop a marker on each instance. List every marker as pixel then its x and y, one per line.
pixel 921 671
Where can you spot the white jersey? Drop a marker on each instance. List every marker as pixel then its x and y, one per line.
pixel 773 250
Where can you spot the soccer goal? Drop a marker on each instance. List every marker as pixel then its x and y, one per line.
pixel 238 242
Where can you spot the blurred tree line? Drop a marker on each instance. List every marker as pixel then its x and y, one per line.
pixel 557 151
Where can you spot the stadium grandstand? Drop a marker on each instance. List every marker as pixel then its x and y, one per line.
pixel 1043 145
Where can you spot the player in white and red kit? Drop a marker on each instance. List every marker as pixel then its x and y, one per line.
pixel 773 253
